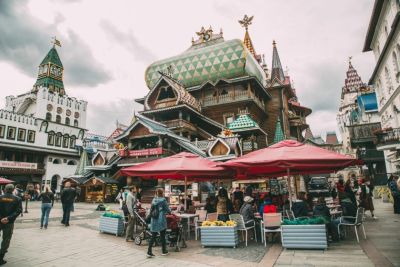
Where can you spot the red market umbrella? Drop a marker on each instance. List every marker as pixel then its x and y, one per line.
pixel 182 166
pixel 4 181
pixel 290 157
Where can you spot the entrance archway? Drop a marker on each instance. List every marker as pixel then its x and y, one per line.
pixel 55 180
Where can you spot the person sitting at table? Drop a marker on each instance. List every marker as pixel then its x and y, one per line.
pixel 247 211
pixel 300 207
pixel 267 206
pixel 349 209
pixel 321 209
pixel 209 207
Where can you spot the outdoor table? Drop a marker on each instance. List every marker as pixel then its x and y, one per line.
pixel 187 216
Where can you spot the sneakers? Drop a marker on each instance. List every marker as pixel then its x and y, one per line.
pixel 150 255
pixel 165 253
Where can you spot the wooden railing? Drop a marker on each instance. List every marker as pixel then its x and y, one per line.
pixel 363 132
pixel 180 123
pixel 230 97
pixel 388 136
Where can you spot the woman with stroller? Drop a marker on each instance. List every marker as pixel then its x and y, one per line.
pixel 158 222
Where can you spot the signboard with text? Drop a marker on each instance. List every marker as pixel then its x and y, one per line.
pixel 18 165
pixel 145 152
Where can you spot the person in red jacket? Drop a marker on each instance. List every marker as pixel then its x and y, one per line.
pixel 267 206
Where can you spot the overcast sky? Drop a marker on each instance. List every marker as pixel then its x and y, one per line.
pixel 107 45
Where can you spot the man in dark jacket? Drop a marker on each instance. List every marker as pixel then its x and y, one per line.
pixel 10 209
pixel 67 199
pixel 320 209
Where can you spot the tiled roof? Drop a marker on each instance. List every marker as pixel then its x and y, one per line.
pixel 242 122
pixel 276 69
pixel 353 81
pixel 83 163
pixel 279 136
pixel 222 60
pixel 52 57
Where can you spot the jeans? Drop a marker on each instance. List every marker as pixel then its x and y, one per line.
pixel 46 207
pixel 67 207
pixel 153 240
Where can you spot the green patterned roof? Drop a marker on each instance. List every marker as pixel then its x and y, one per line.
pixel 52 57
pixel 223 60
pixel 243 122
pixel 279 136
pixel 83 163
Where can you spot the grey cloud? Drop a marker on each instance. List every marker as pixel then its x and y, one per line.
pixel 102 117
pixel 129 41
pixel 25 41
pixel 323 91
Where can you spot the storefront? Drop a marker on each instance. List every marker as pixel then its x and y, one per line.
pixel 100 189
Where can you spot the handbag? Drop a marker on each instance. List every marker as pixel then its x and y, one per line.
pixel 153 214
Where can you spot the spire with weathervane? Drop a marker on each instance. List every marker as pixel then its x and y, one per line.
pixel 353 82
pixel 245 22
pixel 276 68
pixel 51 70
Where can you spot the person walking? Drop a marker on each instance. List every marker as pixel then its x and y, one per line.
pixel 10 209
pixel 67 199
pixel 158 224
pixel 365 192
pixel 395 190
pixel 120 198
pixel 47 198
pixel 131 201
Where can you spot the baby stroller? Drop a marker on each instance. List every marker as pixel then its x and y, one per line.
pixel 145 233
pixel 174 234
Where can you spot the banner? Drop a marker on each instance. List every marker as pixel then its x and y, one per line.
pixel 18 165
pixel 145 152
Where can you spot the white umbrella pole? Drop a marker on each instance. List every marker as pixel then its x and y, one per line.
pixel 289 188
pixel 185 192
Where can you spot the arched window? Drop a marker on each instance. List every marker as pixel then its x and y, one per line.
pixel 66 141
pixel 388 80
pixel 58 139
pixel 58 119
pixel 56 161
pixel 48 116
pixel 71 162
pixel 72 141
pixel 67 121
pixel 76 123
pixel 50 139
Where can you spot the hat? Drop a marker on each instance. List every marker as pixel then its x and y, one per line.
pixel 248 199
pixel 9 188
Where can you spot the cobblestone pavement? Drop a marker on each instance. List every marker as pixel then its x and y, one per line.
pixel 82 245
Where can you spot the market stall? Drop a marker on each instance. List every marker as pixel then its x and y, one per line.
pixel 100 189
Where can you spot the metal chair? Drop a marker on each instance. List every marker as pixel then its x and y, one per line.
pixel 212 217
pixel 202 215
pixel 241 225
pixel 358 221
pixel 271 223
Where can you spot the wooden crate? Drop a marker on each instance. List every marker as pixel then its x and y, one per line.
pixel 219 236
pixel 304 236
pixel 111 225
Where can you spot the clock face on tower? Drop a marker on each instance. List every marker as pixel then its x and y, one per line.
pixel 56 71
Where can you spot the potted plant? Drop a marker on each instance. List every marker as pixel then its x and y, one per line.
pixel 111 222
pixel 309 233
pixel 219 234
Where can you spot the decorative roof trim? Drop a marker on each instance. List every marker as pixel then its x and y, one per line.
pixel 217 140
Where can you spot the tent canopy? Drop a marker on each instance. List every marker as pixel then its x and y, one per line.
pixel 291 155
pixel 178 167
